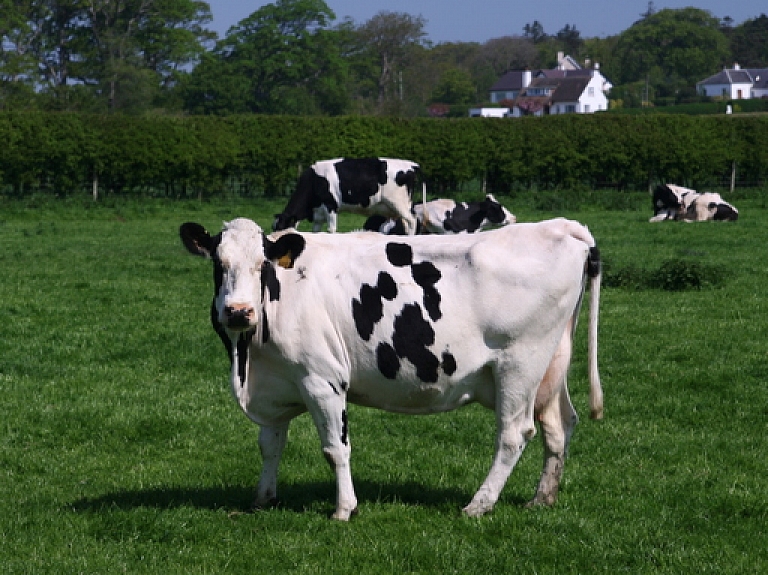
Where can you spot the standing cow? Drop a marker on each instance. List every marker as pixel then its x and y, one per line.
pixel 414 325
pixel 671 202
pixel 364 185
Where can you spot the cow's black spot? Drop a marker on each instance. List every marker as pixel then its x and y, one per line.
pixel 427 275
pixel 399 255
pixel 449 363
pixel 387 286
pixel 387 360
pixel 411 338
pixel 359 179
pixel 269 281
pixel 344 427
pixel 243 341
pixel 264 327
pixel 368 310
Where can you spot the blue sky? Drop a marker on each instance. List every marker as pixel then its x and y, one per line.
pixel 467 21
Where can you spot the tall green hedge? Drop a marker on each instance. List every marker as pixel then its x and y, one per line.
pixel 179 156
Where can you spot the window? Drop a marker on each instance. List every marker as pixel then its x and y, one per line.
pixel 591 91
pixel 570 109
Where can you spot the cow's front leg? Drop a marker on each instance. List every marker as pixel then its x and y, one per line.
pixel 327 404
pixel 271 443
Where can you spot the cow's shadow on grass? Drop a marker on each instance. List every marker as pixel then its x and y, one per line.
pixel 298 497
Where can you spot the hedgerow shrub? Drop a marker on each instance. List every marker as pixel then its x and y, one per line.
pixel 202 156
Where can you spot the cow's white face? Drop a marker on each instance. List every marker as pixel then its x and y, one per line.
pixel 238 261
pixel 244 263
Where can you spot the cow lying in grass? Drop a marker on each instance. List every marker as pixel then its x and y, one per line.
pixel 444 216
pixel 671 202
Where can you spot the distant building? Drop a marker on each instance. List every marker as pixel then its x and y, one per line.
pixel 735 83
pixel 488 112
pixel 568 89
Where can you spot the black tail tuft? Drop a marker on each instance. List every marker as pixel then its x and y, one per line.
pixel 593 262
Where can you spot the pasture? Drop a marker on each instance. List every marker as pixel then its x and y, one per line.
pixel 122 450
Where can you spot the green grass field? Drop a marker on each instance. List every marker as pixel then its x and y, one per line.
pixel 122 450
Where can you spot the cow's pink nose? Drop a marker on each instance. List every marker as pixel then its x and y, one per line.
pixel 238 316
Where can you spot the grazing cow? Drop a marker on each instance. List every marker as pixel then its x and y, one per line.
pixel 414 325
pixel 448 217
pixel 365 185
pixel 672 202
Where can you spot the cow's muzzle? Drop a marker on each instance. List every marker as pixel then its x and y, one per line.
pixel 239 317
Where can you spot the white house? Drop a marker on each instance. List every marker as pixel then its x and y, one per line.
pixel 735 83
pixel 567 89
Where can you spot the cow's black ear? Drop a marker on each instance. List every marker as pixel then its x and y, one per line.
pixel 196 239
pixel 285 250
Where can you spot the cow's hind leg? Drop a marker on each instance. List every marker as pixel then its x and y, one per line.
pixel 271 443
pixel 557 419
pixel 515 427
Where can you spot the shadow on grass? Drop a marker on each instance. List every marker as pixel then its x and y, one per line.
pixel 296 497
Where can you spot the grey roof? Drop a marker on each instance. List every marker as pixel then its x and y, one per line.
pixel 563 89
pixel 512 80
pixel 740 76
pixel 580 73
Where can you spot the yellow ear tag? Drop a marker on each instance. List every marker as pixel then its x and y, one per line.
pixel 286 261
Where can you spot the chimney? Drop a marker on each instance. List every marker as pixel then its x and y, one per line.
pixel 560 57
pixel 526 78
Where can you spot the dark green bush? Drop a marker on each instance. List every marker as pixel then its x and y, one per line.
pixel 674 274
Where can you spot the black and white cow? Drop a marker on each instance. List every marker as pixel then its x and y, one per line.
pixel 445 216
pixel 449 217
pixel 671 202
pixel 416 325
pixel 388 226
pixel 364 185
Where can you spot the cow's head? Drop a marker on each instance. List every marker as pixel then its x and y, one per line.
pixel 667 201
pixel 496 213
pixel 283 222
pixel 244 261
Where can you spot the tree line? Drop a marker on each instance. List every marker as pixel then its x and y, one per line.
pixel 262 155
pixel 293 57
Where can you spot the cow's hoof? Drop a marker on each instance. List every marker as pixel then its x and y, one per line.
pixel 267 504
pixel 476 509
pixel 344 514
pixel 542 500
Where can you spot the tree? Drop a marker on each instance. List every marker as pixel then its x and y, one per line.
pixel 283 58
pixel 455 87
pixel 508 53
pixel 569 39
pixel 670 49
pixel 749 43
pixel 389 35
pixel 535 32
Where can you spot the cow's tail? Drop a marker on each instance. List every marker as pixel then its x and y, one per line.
pixel 594 272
